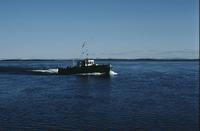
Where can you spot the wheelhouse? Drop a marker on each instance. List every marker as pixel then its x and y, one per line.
pixel 86 62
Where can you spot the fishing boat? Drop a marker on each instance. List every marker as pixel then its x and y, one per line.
pixel 86 66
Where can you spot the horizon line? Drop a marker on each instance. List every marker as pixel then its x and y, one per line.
pixel 129 59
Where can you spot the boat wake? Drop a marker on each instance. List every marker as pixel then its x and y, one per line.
pixel 50 71
pixel 112 73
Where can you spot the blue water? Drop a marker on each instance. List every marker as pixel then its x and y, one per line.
pixel 143 96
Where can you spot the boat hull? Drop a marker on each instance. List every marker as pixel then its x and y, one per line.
pixel 104 69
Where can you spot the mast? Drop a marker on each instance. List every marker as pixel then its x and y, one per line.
pixel 84 50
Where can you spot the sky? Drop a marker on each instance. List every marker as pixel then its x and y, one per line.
pixel 56 29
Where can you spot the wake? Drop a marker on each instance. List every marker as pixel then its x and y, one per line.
pixel 50 71
pixel 112 73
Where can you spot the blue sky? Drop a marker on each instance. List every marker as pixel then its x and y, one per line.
pixel 50 29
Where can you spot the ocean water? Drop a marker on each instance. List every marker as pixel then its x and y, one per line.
pixel 139 95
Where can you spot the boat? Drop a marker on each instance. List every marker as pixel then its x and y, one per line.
pixel 86 66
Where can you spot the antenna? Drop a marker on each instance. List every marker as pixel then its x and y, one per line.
pixel 84 50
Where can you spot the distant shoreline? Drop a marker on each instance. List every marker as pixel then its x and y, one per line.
pixel 102 59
